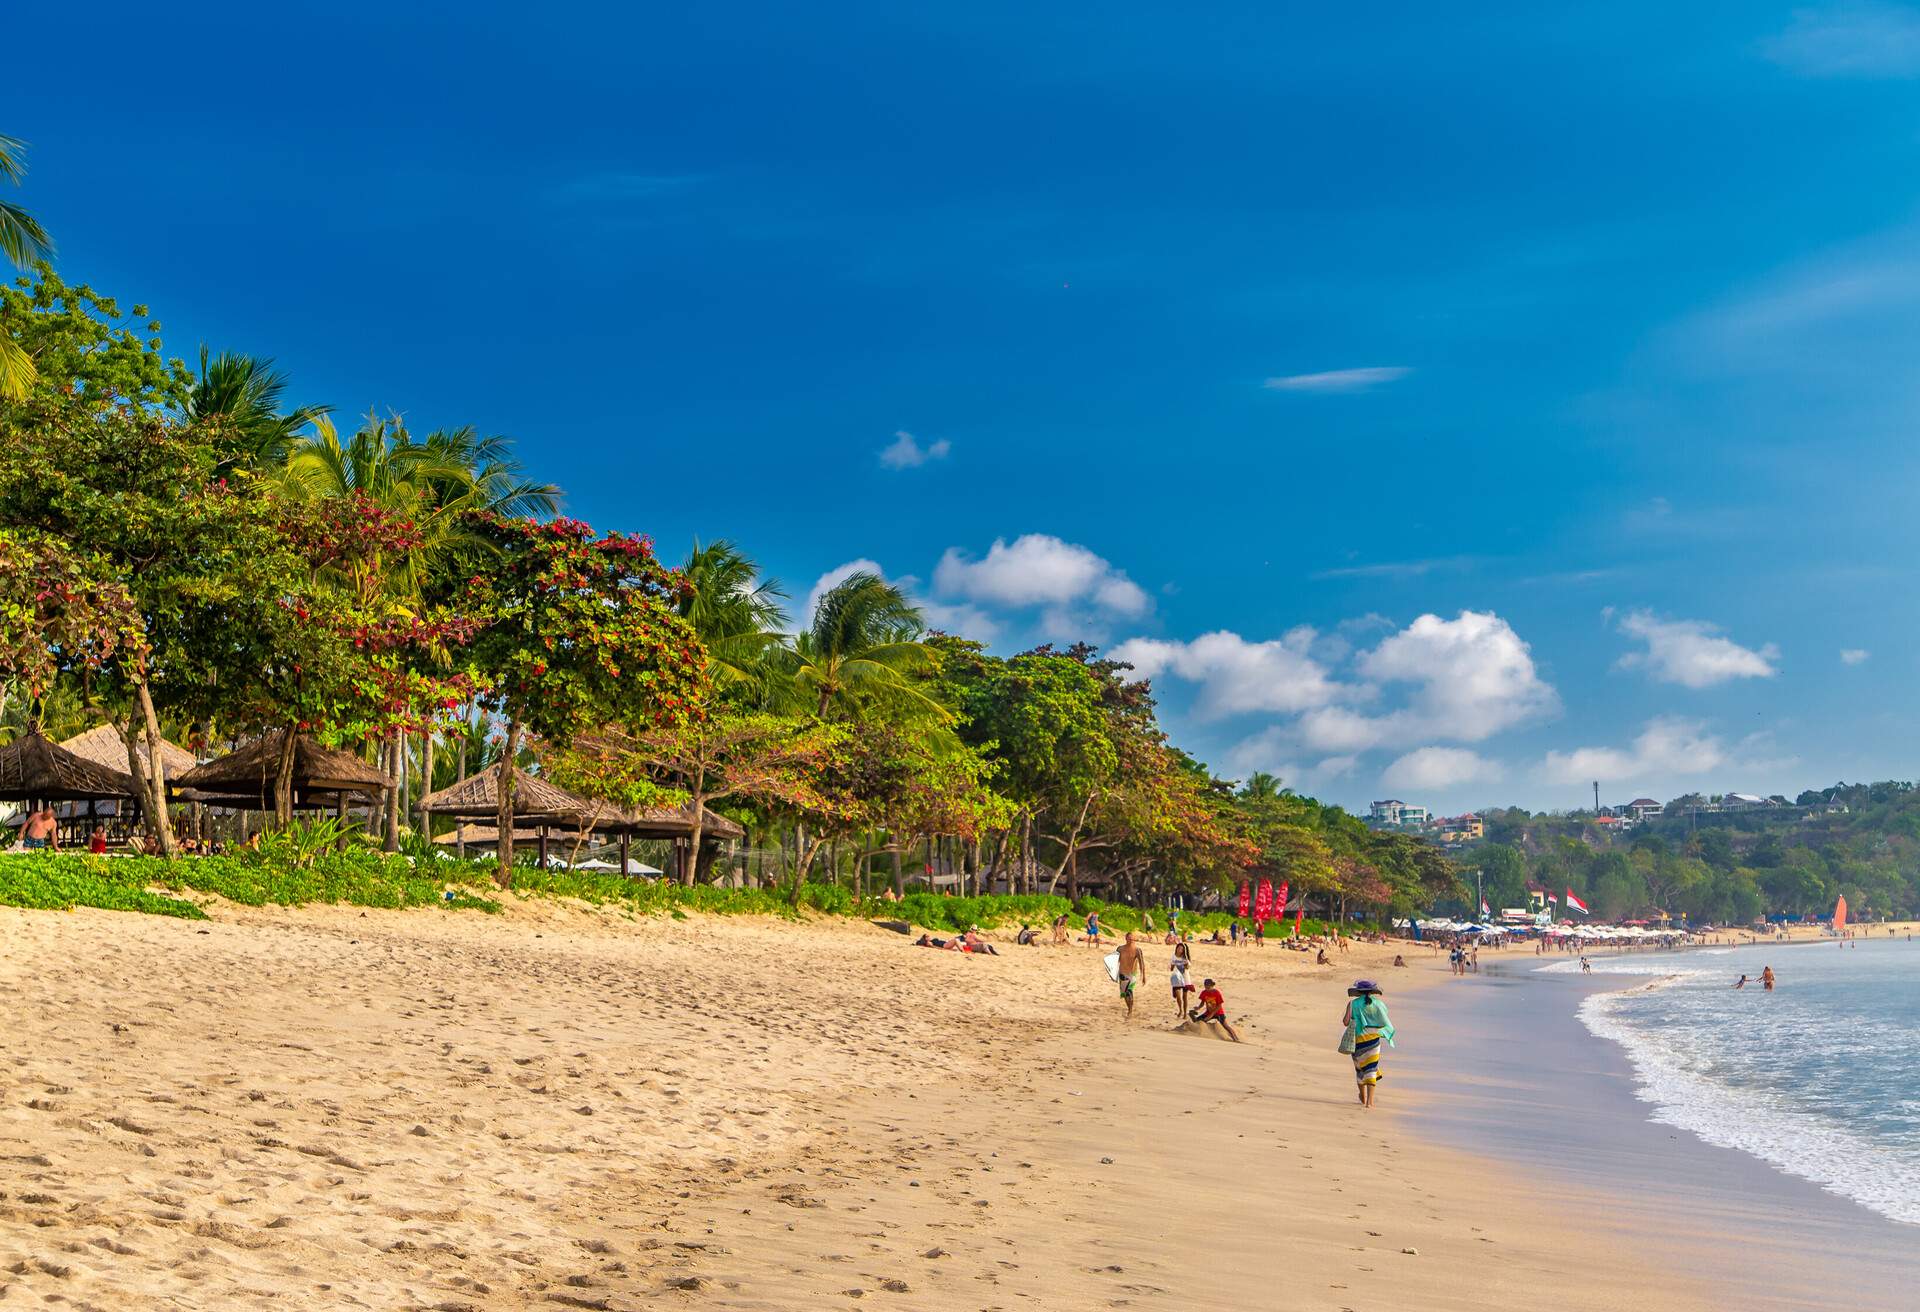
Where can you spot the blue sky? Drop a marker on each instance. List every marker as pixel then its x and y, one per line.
pixel 1451 406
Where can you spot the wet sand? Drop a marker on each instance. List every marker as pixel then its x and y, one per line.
pixel 1528 1084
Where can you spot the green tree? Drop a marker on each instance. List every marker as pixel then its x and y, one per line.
pixel 737 615
pixel 244 396
pixel 862 654
pixel 575 632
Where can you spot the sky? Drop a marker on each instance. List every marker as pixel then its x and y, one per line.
pixel 1455 406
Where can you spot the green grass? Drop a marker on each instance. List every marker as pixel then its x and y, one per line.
pixel 58 883
pixel 359 876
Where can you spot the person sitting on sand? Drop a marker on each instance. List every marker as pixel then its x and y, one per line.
pixel 1213 1009
pixel 1320 958
pixel 1025 938
pixel 1399 960
pixel 1060 930
pixel 972 941
pixel 1216 939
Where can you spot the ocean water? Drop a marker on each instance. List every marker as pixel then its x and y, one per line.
pixel 1820 1078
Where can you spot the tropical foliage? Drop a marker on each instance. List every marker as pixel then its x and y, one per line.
pixel 204 552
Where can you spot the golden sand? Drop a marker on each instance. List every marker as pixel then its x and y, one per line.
pixel 562 1107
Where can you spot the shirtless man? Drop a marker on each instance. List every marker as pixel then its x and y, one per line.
pixel 1133 969
pixel 40 830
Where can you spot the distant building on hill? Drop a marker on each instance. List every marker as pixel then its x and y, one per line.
pixel 1396 814
pixel 1462 829
pixel 1642 808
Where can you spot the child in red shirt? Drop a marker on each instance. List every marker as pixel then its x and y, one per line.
pixel 1213 1010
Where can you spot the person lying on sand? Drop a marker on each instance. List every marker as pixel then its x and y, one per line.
pixel 1213 1009
pixel 972 942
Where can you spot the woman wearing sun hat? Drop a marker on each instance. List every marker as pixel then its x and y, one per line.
pixel 1367 1027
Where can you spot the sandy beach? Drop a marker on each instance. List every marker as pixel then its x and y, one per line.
pixel 567 1107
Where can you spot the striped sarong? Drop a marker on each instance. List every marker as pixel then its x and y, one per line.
pixel 1366 1056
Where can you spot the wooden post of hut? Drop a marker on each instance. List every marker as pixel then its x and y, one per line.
pixel 626 838
pixel 543 846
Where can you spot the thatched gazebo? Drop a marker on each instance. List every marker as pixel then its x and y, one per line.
pixel 35 769
pixel 243 779
pixel 103 745
pixel 545 806
pixel 537 804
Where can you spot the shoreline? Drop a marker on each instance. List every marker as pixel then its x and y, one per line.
pixel 1564 1104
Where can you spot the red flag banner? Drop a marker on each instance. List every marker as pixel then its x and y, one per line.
pixel 1280 902
pixel 1245 894
pixel 1299 916
pixel 1263 902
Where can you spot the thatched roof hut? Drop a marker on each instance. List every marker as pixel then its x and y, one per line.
pixel 34 769
pixel 543 803
pixel 477 797
pixel 103 746
pixel 244 778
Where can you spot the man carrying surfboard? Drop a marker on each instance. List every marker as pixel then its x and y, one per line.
pixel 1129 969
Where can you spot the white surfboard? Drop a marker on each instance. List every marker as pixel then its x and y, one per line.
pixel 1113 965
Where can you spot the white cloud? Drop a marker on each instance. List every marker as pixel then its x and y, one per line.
pixel 1853 655
pixel 1691 653
pixel 1439 767
pixel 1339 380
pixel 1338 729
pixel 1666 746
pixel 1074 585
pixel 1849 40
pixel 1476 677
pixel 961 620
pixel 907 453
pixel 1235 675
pixel 1394 569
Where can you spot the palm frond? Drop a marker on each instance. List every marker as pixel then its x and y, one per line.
pixel 22 239
pixel 16 371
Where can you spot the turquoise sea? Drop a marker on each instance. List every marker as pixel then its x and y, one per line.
pixel 1819 1078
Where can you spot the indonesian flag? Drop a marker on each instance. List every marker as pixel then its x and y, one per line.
pixel 1245 897
pixel 1575 904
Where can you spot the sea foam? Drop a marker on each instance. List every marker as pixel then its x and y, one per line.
pixel 1667 1062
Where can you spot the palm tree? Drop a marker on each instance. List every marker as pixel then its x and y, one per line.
pixel 736 613
pixel 26 243
pixel 491 479
pixel 863 649
pixel 1262 787
pixel 244 391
